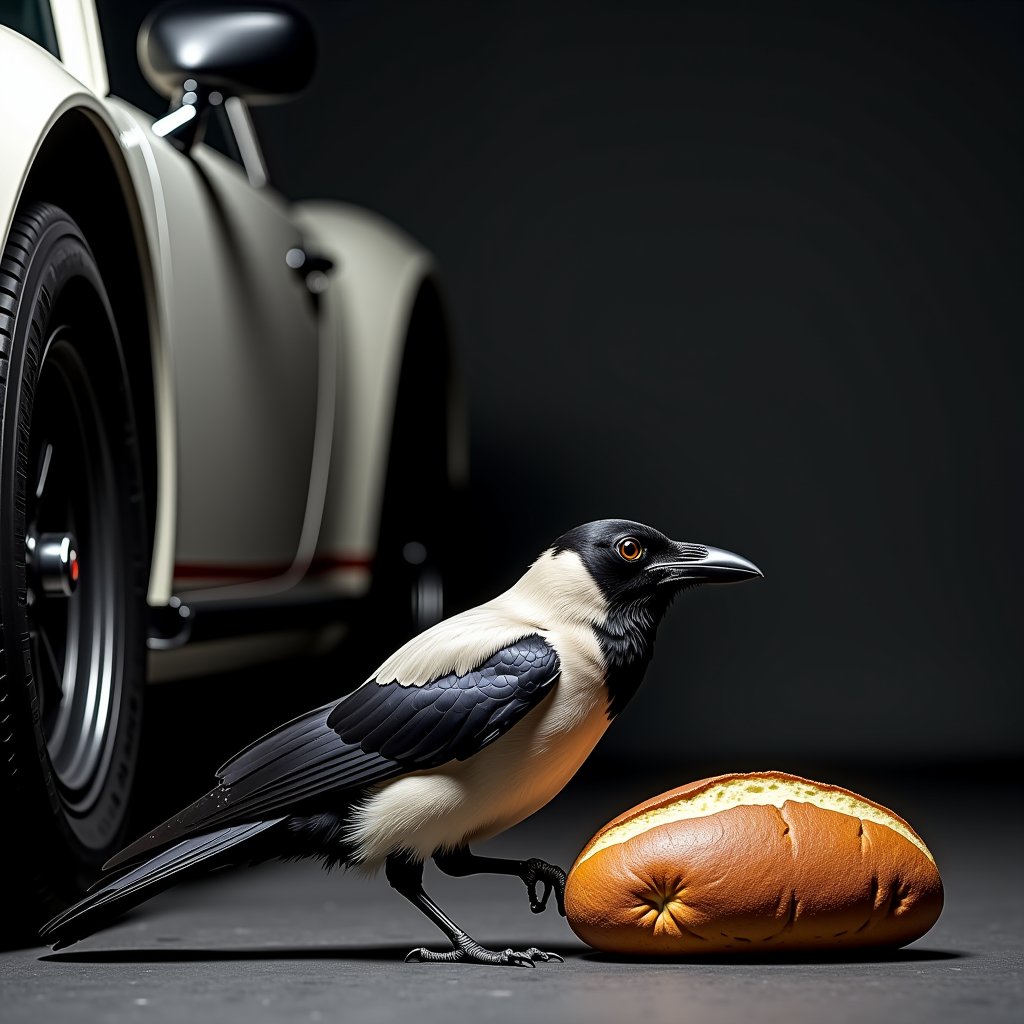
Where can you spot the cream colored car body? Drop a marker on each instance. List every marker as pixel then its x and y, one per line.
pixel 272 412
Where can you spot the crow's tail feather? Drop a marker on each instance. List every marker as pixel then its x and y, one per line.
pixel 169 834
pixel 112 897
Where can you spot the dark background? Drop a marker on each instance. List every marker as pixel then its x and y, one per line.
pixel 750 272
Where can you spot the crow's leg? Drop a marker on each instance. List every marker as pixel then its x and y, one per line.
pixel 406 877
pixel 463 861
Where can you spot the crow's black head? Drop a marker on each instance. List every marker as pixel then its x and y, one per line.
pixel 633 563
pixel 638 571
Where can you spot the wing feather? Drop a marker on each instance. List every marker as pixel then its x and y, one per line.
pixel 378 732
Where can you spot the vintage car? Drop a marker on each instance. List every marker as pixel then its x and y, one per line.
pixel 221 411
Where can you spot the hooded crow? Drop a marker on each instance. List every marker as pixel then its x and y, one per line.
pixel 463 732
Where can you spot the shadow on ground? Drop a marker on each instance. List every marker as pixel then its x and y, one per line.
pixel 398 953
pixel 393 952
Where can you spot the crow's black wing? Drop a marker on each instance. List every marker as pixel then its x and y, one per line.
pixel 383 730
pixel 376 733
pixel 450 718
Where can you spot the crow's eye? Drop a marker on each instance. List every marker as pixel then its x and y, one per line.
pixel 629 548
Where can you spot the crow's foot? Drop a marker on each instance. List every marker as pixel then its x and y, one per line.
pixel 551 877
pixel 470 952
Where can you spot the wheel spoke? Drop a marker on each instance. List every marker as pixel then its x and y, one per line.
pixel 44 471
pixel 427 597
pixel 50 669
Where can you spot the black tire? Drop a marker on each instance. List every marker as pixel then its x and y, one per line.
pixel 410 567
pixel 72 668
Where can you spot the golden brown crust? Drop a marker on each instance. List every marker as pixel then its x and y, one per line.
pixel 753 878
pixel 694 789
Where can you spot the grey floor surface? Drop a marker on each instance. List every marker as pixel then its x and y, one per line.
pixel 289 943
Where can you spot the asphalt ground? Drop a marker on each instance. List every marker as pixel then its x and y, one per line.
pixel 290 943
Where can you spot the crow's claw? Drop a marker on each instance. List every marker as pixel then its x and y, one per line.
pixel 551 878
pixel 539 956
pixel 470 952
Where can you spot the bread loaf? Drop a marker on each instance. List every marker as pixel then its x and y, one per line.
pixel 753 863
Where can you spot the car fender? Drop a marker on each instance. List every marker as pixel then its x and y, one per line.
pixel 370 292
pixel 40 90
pixel 42 97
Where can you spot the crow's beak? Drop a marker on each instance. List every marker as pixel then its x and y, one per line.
pixel 695 563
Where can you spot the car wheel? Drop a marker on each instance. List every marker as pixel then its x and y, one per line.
pixel 72 571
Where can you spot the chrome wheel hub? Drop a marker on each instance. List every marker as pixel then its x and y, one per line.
pixel 53 561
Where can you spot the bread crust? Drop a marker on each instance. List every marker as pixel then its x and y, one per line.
pixel 754 878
